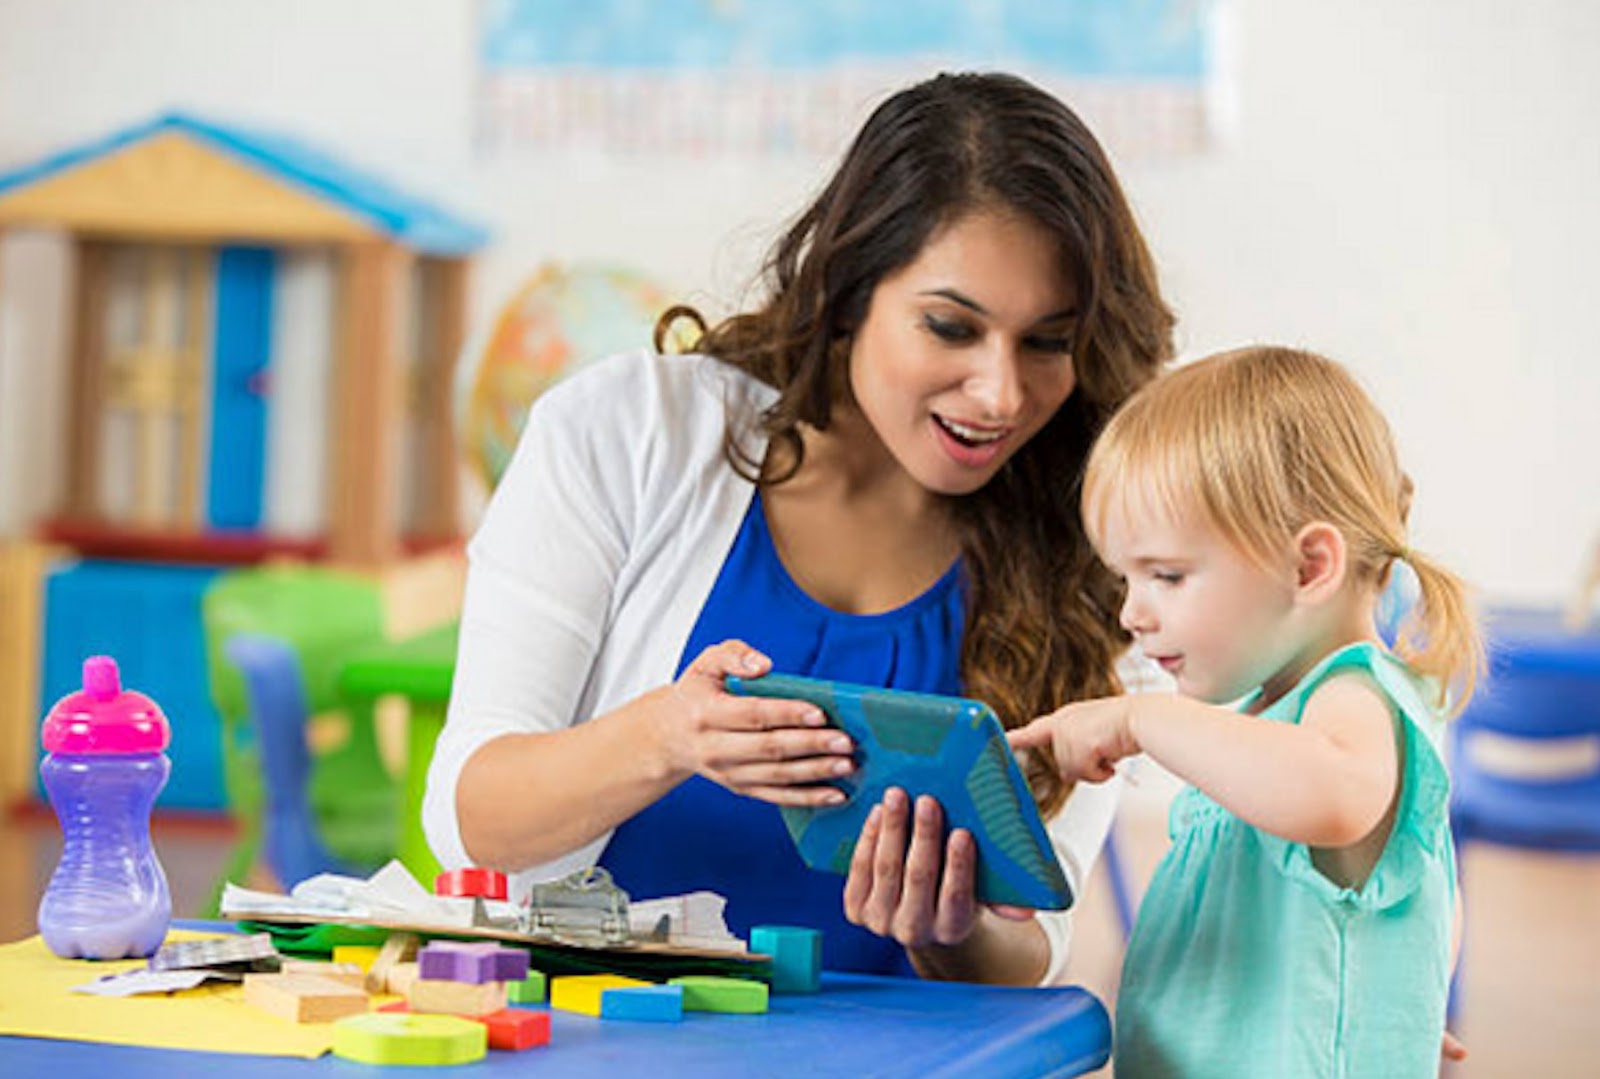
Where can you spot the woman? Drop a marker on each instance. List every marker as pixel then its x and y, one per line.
pixel 872 478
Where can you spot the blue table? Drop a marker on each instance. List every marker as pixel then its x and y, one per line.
pixel 858 1025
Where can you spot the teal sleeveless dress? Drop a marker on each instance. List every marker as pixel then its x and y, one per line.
pixel 1247 961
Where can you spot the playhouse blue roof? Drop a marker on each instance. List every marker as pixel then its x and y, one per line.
pixel 408 220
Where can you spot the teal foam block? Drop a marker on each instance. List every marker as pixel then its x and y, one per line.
pixel 654 1003
pixel 796 956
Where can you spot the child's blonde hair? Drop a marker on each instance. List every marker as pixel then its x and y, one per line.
pixel 1262 441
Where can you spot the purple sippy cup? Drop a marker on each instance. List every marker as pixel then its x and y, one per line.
pixel 104 765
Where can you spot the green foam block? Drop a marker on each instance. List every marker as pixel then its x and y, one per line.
pixel 710 993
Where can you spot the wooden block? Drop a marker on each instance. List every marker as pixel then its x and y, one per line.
pixel 456 998
pixel 388 1038
pixel 581 992
pixel 402 976
pixel 362 955
pixel 796 956
pixel 711 993
pixel 530 990
pixel 303 998
pixel 398 948
pixel 344 973
pixel 652 1003
pixel 517 1028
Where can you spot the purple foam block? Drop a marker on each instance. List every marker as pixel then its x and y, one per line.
pixel 475 962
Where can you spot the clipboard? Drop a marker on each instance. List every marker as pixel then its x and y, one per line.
pixel 952 748
pixel 576 925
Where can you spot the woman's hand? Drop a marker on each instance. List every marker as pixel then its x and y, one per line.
pixel 909 882
pixel 1088 738
pixel 779 751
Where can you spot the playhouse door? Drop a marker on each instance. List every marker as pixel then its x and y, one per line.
pixel 157 337
pixel 241 353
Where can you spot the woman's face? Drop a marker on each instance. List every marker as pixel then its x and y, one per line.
pixel 967 351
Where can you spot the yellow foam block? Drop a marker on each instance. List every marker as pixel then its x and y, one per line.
pixel 362 955
pixel 581 992
pixel 401 1038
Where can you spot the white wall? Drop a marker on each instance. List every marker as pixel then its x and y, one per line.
pixel 1409 187
pixel 1415 188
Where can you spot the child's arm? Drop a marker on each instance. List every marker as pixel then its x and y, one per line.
pixel 1325 782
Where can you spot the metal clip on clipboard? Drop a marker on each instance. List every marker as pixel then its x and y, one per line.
pixel 584 907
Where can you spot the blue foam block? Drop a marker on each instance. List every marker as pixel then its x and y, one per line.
pixel 654 1003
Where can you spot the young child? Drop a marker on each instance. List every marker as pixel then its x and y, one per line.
pixel 1301 923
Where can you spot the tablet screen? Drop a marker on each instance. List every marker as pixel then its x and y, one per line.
pixel 949 747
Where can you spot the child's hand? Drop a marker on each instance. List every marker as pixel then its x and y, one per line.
pixel 1089 738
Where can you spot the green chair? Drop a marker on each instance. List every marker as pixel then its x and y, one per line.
pixel 323 616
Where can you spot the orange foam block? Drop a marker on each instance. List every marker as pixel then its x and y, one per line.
pixel 509 1028
pixel 517 1028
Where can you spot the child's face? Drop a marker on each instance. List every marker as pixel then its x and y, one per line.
pixel 966 352
pixel 1210 616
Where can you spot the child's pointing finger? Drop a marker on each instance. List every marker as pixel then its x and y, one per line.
pixel 1032 736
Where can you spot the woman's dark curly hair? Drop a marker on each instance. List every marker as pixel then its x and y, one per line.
pixel 1041 623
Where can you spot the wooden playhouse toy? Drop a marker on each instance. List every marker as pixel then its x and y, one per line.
pixel 258 358
pixel 195 408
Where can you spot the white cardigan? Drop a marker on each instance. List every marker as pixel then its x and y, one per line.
pixel 590 569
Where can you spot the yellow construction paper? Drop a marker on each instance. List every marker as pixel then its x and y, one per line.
pixel 36 1001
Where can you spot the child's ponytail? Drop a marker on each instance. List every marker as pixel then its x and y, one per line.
pixel 1439 638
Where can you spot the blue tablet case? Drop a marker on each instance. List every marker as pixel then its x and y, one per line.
pixel 950 747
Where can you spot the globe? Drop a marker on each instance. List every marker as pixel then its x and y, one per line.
pixel 562 317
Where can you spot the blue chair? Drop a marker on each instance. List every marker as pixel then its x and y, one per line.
pixel 1116 873
pixel 276 697
pixel 1525 754
pixel 322 615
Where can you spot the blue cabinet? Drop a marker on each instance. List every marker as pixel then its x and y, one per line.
pixel 147 617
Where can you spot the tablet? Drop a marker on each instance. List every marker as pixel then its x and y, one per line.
pixel 949 747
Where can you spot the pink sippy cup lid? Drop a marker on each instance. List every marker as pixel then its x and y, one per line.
pixel 102 717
